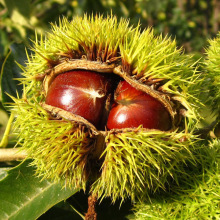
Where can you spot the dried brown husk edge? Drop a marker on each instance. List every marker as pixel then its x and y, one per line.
pixel 83 64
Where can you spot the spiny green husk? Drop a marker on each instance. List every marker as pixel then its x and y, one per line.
pixel 212 64
pixel 134 161
pixel 196 197
pixel 139 162
pixel 60 148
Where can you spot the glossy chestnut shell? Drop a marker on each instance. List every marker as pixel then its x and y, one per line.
pixel 86 93
pixel 133 107
pixel 80 92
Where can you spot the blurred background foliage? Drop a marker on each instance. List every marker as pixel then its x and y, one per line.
pixel 191 22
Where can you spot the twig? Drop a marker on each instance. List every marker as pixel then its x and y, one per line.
pixel 91 212
pixel 11 154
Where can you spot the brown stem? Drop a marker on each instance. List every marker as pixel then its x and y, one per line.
pixel 91 212
pixel 11 154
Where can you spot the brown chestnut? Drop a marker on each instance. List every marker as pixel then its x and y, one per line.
pixel 132 108
pixel 80 92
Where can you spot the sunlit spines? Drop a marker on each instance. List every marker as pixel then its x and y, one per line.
pixel 197 193
pixel 137 163
pixel 212 64
pixel 157 60
pixel 58 147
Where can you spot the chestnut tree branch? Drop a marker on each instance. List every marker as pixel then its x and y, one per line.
pixel 11 154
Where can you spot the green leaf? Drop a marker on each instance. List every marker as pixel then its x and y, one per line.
pixel 4 44
pixel 19 54
pixel 11 71
pixel 21 7
pixel 24 196
pixel 3 173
